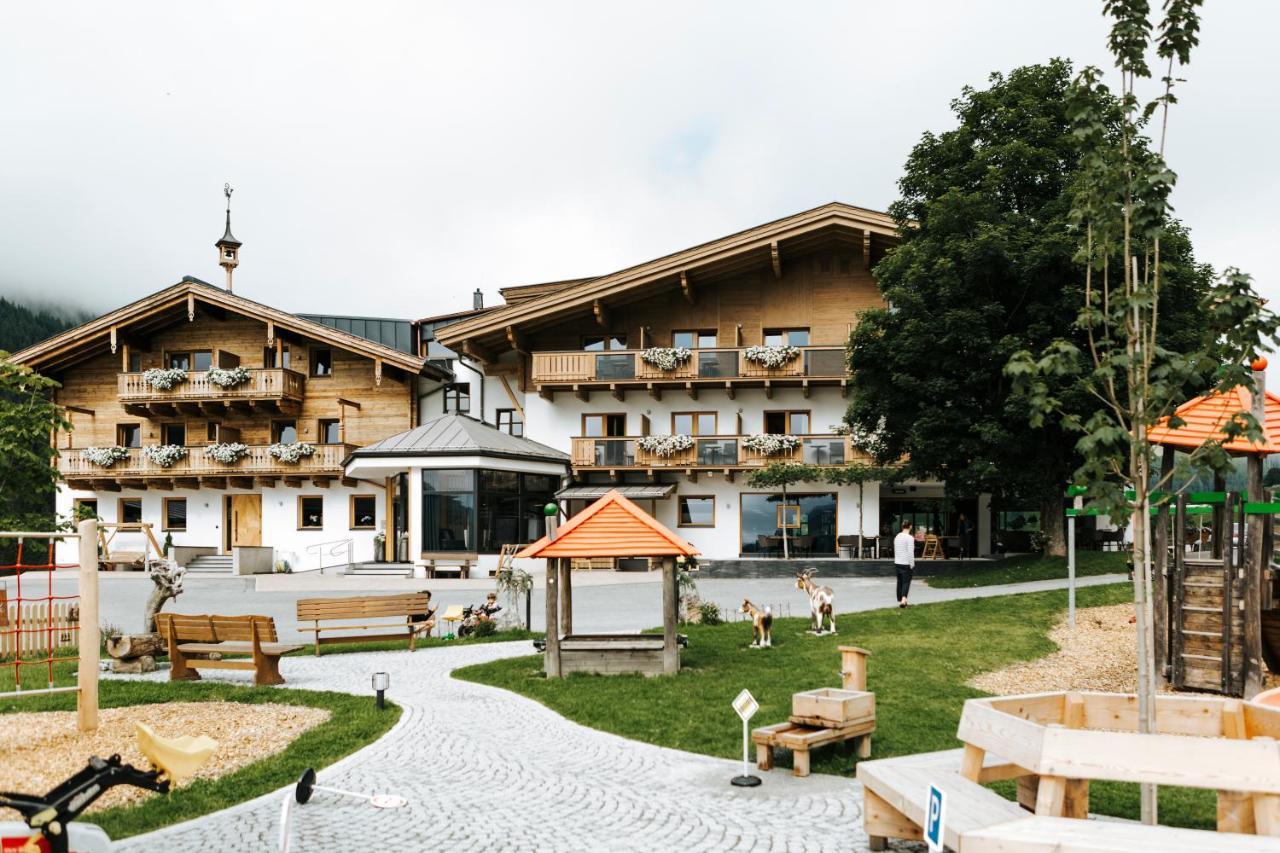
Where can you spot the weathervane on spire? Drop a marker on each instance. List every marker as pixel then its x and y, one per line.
pixel 228 246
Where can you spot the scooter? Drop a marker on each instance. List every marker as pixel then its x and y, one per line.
pixel 49 818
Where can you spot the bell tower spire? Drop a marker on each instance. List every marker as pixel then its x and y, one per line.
pixel 228 246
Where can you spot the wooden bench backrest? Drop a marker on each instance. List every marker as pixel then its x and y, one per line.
pixel 363 607
pixel 191 628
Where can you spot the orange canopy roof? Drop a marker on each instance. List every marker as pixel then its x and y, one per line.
pixel 611 527
pixel 1206 416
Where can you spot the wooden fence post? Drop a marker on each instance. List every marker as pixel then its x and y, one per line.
pixel 87 676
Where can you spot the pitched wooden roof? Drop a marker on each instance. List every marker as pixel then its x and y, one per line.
pixel 1206 416
pixel 611 527
pixel 176 303
pixel 791 233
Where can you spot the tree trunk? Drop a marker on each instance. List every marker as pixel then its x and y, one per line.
pixel 786 552
pixel 1053 525
pixel 861 498
pixel 159 595
pixel 129 646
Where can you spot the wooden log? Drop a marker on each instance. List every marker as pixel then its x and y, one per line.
pixel 129 646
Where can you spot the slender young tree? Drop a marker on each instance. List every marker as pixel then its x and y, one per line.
pixel 859 474
pixel 1122 214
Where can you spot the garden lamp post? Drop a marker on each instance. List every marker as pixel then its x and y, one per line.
pixel 381 684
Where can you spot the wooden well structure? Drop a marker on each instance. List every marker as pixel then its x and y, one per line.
pixel 611 527
pixel 1216 615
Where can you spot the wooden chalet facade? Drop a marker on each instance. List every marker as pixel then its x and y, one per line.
pixel 256 383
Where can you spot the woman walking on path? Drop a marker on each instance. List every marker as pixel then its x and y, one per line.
pixel 904 560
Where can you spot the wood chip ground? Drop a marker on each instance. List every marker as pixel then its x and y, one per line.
pixel 1101 654
pixel 42 749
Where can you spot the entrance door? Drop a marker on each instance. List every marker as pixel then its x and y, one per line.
pixel 244 520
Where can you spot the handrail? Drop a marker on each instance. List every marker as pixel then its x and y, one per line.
pixel 575 366
pixel 338 546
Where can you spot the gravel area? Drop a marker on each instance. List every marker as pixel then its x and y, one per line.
pixel 1101 654
pixel 42 749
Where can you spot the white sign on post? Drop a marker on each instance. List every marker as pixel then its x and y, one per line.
pixel 933 824
pixel 745 706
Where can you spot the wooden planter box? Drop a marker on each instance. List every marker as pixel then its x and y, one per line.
pixel 831 706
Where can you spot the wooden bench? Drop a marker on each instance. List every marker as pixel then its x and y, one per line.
pixel 801 737
pixel 390 614
pixel 188 635
pixel 1068 835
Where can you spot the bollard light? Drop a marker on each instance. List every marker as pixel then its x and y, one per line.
pixel 381 684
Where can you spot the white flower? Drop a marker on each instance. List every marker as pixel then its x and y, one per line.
pixel 227 453
pixel 229 378
pixel 771 445
pixel 665 445
pixel 105 457
pixel 771 356
pixel 164 378
pixel 666 358
pixel 165 455
pixel 291 453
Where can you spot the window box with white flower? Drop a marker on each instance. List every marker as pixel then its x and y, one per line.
pixel 165 455
pixel 771 357
pixel 164 378
pixel 292 453
pixel 666 358
pixel 769 444
pixel 227 378
pixel 226 453
pixel 665 445
pixel 105 457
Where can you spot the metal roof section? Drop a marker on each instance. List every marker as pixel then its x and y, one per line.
pixel 459 435
pixel 653 491
pixel 390 332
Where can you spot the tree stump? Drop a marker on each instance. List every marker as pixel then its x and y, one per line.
pixel 134 666
pixel 130 646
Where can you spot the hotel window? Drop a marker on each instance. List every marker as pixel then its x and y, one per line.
pixel 321 362
pixel 364 512
pixel 510 422
pixel 786 337
pixel 197 360
pixel 173 434
pixel 85 508
pixel 448 510
pixel 603 426
pixel 211 431
pixel 269 357
pixel 697 511
pixel 787 423
pixel 135 362
pixel 330 431
pixel 457 397
pixel 129 435
pixel 178 360
pixel 311 512
pixel 284 432
pixel 598 343
pixel 129 511
pixel 700 339
pixel 175 513
pixel 693 423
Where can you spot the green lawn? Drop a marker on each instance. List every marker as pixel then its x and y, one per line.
pixel 1027 567
pixel 921 659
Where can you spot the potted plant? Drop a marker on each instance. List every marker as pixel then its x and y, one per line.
pixel 771 357
pixel 165 455
pixel 770 444
pixel 105 457
pixel 665 445
pixel 292 453
pixel 227 377
pixel 666 358
pixel 226 453
pixel 164 378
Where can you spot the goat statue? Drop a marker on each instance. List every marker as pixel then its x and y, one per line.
pixel 761 625
pixel 820 601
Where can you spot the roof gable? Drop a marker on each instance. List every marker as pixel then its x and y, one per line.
pixel 611 527
pixel 557 301
pixel 89 338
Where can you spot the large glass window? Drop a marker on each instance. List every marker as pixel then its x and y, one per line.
pixel 701 339
pixel 814 531
pixel 697 512
pixel 786 423
pixel 448 510
pixel 284 432
pixel 202 359
pixel 693 423
pixel 786 337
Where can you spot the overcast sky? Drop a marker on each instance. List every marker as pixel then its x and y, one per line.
pixel 388 158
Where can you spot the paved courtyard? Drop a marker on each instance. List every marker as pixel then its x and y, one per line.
pixel 484 769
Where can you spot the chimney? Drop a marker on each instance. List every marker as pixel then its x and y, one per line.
pixel 477 300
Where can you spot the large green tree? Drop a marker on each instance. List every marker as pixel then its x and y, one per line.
pixel 28 478
pixel 987 267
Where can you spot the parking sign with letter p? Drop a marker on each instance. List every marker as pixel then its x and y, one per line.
pixel 933 831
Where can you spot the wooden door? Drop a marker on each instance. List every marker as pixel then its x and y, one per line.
pixel 246 520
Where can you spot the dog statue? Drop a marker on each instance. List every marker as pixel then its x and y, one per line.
pixel 761 625
pixel 820 601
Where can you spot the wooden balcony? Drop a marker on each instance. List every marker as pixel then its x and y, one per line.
pixel 709 453
pixel 725 368
pixel 273 389
pixel 255 469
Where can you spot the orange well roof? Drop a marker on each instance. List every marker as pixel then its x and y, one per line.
pixel 1206 416
pixel 611 527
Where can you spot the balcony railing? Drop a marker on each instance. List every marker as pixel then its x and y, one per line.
pixel 720 451
pixel 257 461
pixel 264 383
pixel 723 363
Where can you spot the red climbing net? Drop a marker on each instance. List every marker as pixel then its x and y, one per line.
pixel 35 624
